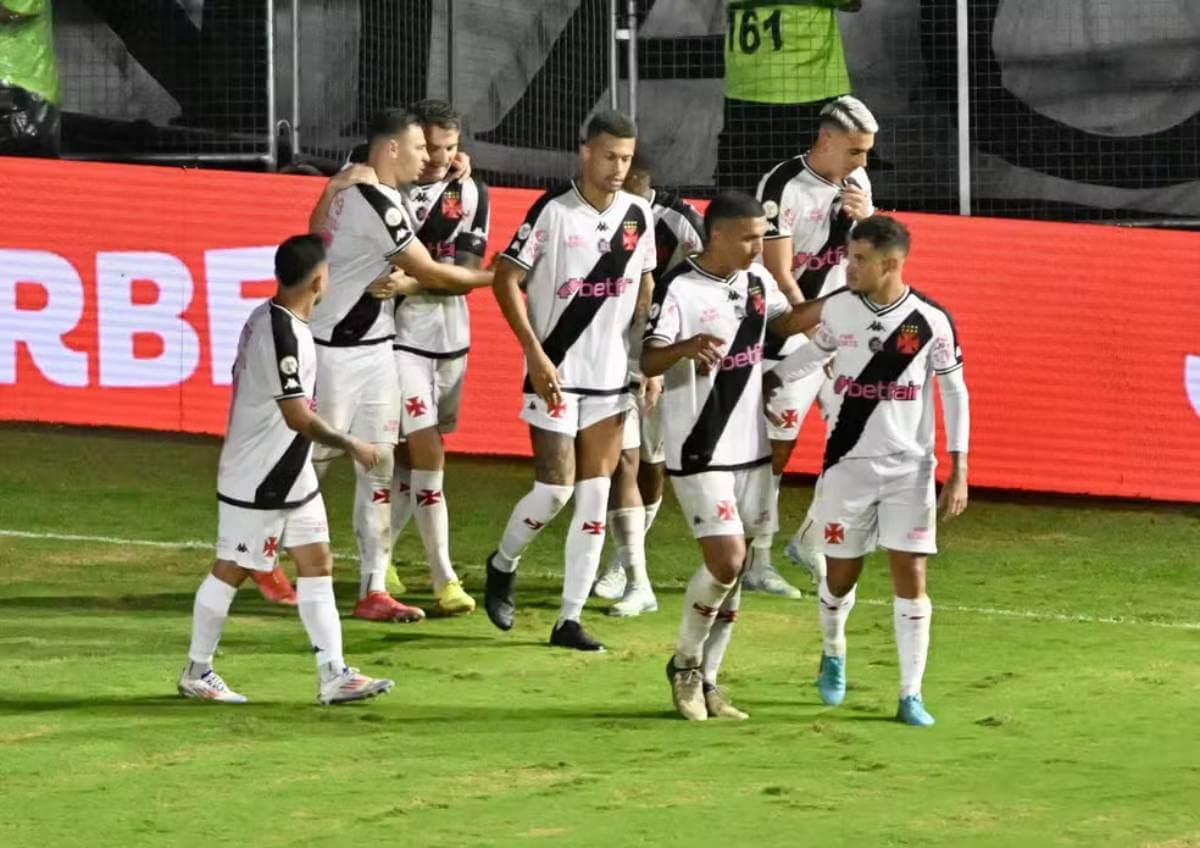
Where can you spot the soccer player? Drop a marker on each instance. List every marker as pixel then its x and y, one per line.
pixel 638 482
pixel 432 339
pixel 370 234
pixel 707 329
pixel 812 202
pixel 888 343
pixel 584 255
pixel 267 489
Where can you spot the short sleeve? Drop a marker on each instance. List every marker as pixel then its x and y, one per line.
pixel 777 304
pixel 279 359
pixel 945 352
pixel 772 193
pixel 387 222
pixel 530 240
pixel 474 235
pixel 664 322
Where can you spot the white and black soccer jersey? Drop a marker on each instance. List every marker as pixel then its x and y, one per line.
pixel 805 206
pixel 367 224
pixel 585 266
pixel 715 422
pixel 452 218
pixel 678 230
pixel 264 464
pixel 881 398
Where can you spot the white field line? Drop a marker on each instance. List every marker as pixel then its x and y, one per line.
pixel 1077 618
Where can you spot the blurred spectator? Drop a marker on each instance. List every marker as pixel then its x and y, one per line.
pixel 783 62
pixel 29 93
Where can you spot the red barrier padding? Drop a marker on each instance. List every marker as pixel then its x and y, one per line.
pixel 123 289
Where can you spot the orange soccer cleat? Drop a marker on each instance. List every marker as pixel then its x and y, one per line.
pixel 276 587
pixel 380 606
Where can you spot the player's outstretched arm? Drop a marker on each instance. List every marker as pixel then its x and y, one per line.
pixel 340 181
pixel 801 318
pixel 310 425
pixel 439 276
pixel 956 412
pixel 703 348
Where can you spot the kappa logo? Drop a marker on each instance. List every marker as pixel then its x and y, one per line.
pixel 875 327
pixel 601 227
pixel 242 549
pixel 291 383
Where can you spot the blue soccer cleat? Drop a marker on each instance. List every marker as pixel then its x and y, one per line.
pixel 831 679
pixel 911 711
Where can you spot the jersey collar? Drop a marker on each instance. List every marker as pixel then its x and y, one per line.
pixel 815 175
pixel 588 203
pixel 691 260
pixel 288 311
pixel 884 310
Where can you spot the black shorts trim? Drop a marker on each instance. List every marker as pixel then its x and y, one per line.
pixel 265 507
pixel 428 354
pixel 595 392
pixel 754 463
pixel 366 343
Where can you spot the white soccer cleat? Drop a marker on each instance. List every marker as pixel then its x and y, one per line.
pixel 612 580
pixel 687 691
pixel 721 707
pixel 208 687
pixel 639 598
pixel 762 577
pixel 352 686
pixel 803 549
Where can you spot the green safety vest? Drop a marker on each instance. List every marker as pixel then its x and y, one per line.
pixel 784 51
pixel 27 50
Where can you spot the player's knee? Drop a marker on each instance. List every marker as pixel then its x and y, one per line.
pixel 382 472
pixel 553 497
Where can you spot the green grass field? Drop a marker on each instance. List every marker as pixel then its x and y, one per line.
pixel 1064 674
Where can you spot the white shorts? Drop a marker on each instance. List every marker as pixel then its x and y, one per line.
pixel 631 439
pixel 727 503
pixel 791 403
pixel 430 391
pixel 888 501
pixel 358 393
pixel 251 538
pixel 577 412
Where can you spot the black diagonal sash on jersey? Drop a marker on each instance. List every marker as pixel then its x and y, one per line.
pixel 665 243
pixel 437 227
pixel 581 310
pixel 272 492
pixel 886 366
pixel 812 281
pixel 698 447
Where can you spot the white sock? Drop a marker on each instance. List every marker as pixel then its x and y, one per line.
pixel 318 611
pixel 628 526
pixel 373 522
pixel 833 614
pixel 529 516
pixel 911 617
pixel 652 513
pixel 585 544
pixel 701 603
pixel 402 502
pixel 760 546
pixel 209 611
pixel 433 522
pixel 721 633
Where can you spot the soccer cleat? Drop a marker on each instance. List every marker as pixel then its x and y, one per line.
pixel 639 598
pixel 380 606
pixel 800 551
pixel 911 711
pixel 275 586
pixel 687 691
pixel 720 707
pixel 570 634
pixel 764 578
pixel 498 595
pixel 452 600
pixel 208 687
pixel 352 686
pixel 611 584
pixel 392 582
pixel 831 679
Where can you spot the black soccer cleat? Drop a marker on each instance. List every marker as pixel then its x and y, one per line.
pixel 570 634
pixel 498 595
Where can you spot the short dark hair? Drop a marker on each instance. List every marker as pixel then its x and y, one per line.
pixel 883 232
pixel 610 122
pixel 437 113
pixel 389 123
pixel 730 205
pixel 297 258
